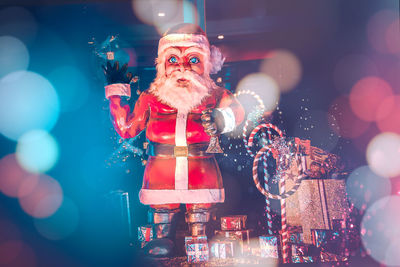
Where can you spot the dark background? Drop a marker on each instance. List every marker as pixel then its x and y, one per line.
pixel 92 171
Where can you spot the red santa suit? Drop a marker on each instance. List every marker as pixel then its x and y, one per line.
pixel 178 169
pixel 189 176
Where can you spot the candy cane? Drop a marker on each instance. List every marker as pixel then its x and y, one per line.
pixel 264 152
pixel 257 97
pixel 260 106
pixel 263 125
pixel 244 136
pixel 267 202
pixel 262 190
pixel 285 245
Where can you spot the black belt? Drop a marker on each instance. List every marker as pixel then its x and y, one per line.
pixel 192 150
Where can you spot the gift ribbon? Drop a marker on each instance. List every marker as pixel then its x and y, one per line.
pixel 198 251
pixel 232 223
pixel 147 235
pixel 324 204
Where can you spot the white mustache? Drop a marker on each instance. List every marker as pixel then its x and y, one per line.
pixel 194 78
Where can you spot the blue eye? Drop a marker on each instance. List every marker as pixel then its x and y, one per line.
pixel 172 60
pixel 194 60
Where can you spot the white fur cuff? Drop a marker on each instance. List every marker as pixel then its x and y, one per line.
pixel 229 119
pixel 154 197
pixel 121 89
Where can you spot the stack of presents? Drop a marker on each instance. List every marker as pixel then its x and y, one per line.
pixel 232 241
pixel 317 232
pixel 318 229
pixel 235 241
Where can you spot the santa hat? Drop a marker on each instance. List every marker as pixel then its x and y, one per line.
pixel 191 35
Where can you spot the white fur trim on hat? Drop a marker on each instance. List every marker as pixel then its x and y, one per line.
pixel 154 197
pixel 216 60
pixel 214 57
pixel 184 40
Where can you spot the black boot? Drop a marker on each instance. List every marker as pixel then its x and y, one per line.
pixel 164 226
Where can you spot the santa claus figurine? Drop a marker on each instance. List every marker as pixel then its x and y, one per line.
pixel 180 111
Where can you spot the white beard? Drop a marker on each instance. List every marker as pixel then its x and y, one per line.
pixel 183 96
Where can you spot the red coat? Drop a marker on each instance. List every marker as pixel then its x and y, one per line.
pixel 203 177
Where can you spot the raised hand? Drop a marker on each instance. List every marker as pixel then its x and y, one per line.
pixel 115 74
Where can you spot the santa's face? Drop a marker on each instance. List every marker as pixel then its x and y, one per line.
pixel 182 59
pixel 182 81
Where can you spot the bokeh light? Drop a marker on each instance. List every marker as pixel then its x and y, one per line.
pixel 352 68
pixel 8 231
pixel 392 37
pixel 391 73
pixel 37 151
pixel 61 224
pixel 14 180
pixel 27 101
pixel 13 250
pixel 345 123
pixel 366 97
pixel 132 57
pixel 383 154
pixel 284 67
pixel 9 251
pixel 14 55
pixel 18 22
pixel 379 31
pixel 314 125
pixel 45 198
pixel 364 187
pixel 147 11
pixel 389 114
pixel 380 231
pixel 26 256
pixel 71 85
pixel 262 85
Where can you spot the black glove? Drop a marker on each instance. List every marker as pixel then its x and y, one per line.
pixel 114 74
pixel 213 121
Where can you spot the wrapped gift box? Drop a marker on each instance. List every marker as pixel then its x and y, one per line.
pixel 319 163
pixel 319 200
pixel 299 250
pixel 315 204
pixel 269 246
pixel 145 234
pixel 295 237
pixel 303 259
pixel 328 257
pixel 162 229
pixel 222 249
pixel 241 237
pixel 196 249
pixel 295 234
pixel 110 55
pixel 328 240
pixel 233 222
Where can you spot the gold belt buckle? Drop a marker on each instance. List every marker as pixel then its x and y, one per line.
pixel 181 151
